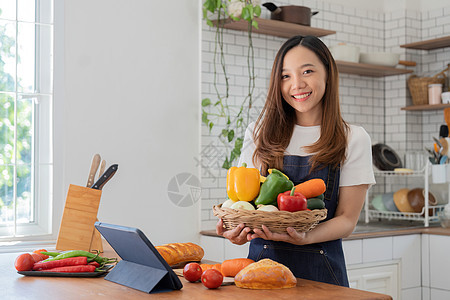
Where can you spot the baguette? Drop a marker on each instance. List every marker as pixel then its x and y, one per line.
pixel 175 253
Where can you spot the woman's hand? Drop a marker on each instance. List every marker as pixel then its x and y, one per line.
pixel 237 235
pixel 291 236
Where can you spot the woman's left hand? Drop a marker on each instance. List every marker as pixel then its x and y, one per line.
pixel 291 235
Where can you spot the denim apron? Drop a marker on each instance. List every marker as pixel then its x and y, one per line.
pixel 322 262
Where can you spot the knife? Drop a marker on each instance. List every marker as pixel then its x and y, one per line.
pixel 102 169
pixel 98 185
pixel 94 166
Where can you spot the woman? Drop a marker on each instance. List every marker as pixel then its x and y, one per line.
pixel 301 132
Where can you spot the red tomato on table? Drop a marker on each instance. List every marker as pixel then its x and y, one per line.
pixel 192 272
pixel 212 278
pixel 24 262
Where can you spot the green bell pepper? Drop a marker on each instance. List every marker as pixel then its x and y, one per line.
pixel 275 183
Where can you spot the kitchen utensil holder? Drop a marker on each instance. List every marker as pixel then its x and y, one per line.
pixel 77 231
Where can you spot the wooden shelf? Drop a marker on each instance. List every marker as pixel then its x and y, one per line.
pixel 276 28
pixel 368 69
pixel 426 107
pixel 429 44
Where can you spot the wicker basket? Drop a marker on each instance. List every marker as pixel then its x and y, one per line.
pixel 277 221
pixel 418 86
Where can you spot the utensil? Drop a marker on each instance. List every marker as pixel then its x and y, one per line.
pixel 98 185
pixel 291 13
pixel 102 168
pixel 94 166
pixel 407 63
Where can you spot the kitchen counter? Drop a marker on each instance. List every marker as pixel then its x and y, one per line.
pixel 381 229
pixel 17 286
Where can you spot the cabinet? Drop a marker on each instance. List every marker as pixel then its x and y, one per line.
pixel 379 278
pixel 428 213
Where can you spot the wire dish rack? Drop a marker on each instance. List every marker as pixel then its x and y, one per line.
pixel 428 214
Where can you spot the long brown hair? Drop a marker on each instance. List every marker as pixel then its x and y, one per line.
pixel 275 124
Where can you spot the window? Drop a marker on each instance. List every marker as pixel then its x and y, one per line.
pixel 26 100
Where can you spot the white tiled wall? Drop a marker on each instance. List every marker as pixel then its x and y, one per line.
pixel 373 103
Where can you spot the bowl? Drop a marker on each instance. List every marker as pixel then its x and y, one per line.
pixel 416 198
pixel 388 201
pixel 401 201
pixel 377 203
pixel 380 58
pixel 345 52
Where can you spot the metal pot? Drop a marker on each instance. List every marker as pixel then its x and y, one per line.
pixel 291 13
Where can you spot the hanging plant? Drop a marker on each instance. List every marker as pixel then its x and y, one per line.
pixel 236 118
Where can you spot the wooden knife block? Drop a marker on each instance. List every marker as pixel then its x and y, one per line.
pixel 77 231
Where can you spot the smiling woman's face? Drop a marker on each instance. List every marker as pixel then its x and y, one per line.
pixel 303 82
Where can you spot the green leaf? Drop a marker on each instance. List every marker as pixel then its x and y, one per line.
pixel 225 132
pixel 230 135
pixel 257 10
pixel 205 117
pixel 226 164
pixel 255 24
pixel 246 15
pixel 209 23
pixel 211 124
pixel 206 102
pixel 211 5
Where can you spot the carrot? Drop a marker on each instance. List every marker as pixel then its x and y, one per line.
pixel 205 267
pixel 231 267
pixel 72 261
pixel 72 269
pixel 218 267
pixel 311 188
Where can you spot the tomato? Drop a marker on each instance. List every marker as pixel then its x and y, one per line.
pixel 192 272
pixel 24 262
pixel 212 278
pixel 36 257
pixel 39 252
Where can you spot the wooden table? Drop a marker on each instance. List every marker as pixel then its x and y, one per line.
pixel 17 286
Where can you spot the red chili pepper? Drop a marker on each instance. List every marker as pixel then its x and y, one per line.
pixel 72 261
pixel 94 263
pixel 72 269
pixel 291 201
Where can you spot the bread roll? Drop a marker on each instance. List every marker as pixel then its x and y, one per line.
pixel 176 253
pixel 265 274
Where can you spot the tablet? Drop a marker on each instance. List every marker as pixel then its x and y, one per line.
pixel 141 267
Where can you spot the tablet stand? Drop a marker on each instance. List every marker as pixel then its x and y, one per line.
pixel 139 277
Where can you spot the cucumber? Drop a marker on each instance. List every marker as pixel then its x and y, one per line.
pixel 321 197
pixel 315 203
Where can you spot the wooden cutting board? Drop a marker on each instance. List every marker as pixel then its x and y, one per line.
pixel 80 214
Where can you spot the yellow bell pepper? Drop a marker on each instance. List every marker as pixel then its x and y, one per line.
pixel 243 183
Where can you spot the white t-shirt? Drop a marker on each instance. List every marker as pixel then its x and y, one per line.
pixel 357 168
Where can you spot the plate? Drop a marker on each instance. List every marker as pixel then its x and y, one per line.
pixel 103 271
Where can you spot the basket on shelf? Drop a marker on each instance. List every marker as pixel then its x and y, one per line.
pixel 418 86
pixel 277 221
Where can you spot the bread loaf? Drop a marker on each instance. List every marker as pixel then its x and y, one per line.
pixel 176 253
pixel 265 274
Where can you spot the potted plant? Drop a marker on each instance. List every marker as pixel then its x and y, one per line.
pixel 217 13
